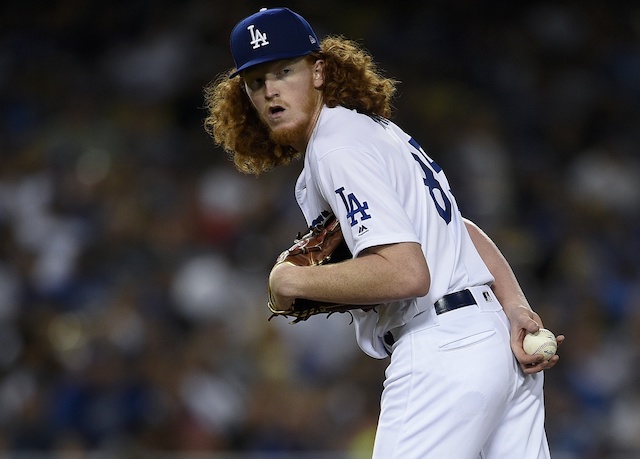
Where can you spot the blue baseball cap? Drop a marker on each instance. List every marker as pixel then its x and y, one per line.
pixel 270 35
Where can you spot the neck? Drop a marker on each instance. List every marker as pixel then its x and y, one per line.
pixel 302 146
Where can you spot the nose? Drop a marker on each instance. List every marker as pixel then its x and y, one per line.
pixel 271 89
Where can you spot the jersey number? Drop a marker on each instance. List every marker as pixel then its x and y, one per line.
pixel 440 199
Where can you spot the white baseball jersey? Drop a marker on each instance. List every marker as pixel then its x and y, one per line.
pixel 384 189
pixel 453 388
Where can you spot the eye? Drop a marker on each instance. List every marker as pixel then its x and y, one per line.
pixel 284 71
pixel 255 83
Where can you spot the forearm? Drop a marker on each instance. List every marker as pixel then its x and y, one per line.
pixel 506 285
pixel 382 274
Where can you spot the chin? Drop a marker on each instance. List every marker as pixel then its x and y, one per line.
pixel 284 135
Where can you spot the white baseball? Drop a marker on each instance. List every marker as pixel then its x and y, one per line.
pixel 542 342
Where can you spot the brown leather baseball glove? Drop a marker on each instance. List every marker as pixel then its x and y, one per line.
pixel 321 244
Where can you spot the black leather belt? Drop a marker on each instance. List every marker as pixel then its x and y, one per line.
pixel 454 301
pixel 447 303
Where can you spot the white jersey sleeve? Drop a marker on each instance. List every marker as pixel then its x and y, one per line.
pixel 352 180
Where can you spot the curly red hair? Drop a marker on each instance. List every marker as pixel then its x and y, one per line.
pixel 352 80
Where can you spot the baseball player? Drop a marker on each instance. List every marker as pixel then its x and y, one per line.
pixel 451 314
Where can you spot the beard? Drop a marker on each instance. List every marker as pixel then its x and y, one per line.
pixel 287 136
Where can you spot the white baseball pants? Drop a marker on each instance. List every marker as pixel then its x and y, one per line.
pixel 454 390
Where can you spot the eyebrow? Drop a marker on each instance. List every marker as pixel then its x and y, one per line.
pixel 271 64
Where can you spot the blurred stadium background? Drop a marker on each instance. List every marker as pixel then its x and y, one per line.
pixel 133 258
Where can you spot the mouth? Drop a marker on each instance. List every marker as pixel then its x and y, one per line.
pixel 275 112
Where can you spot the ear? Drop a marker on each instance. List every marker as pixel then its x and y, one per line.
pixel 318 73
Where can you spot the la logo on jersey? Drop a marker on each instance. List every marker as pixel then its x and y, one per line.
pixel 354 207
pixel 258 38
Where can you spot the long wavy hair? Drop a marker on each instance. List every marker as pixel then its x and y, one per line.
pixel 352 79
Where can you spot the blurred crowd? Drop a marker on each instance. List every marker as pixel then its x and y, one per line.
pixel 133 257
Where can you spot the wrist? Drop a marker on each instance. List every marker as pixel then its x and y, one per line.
pixel 516 308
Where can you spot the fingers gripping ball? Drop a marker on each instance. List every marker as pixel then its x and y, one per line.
pixel 542 342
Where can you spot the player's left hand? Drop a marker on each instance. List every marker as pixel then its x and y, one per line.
pixel 524 321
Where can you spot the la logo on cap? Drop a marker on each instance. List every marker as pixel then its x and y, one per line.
pixel 258 38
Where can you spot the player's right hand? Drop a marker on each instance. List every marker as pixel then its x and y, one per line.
pixel 523 321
